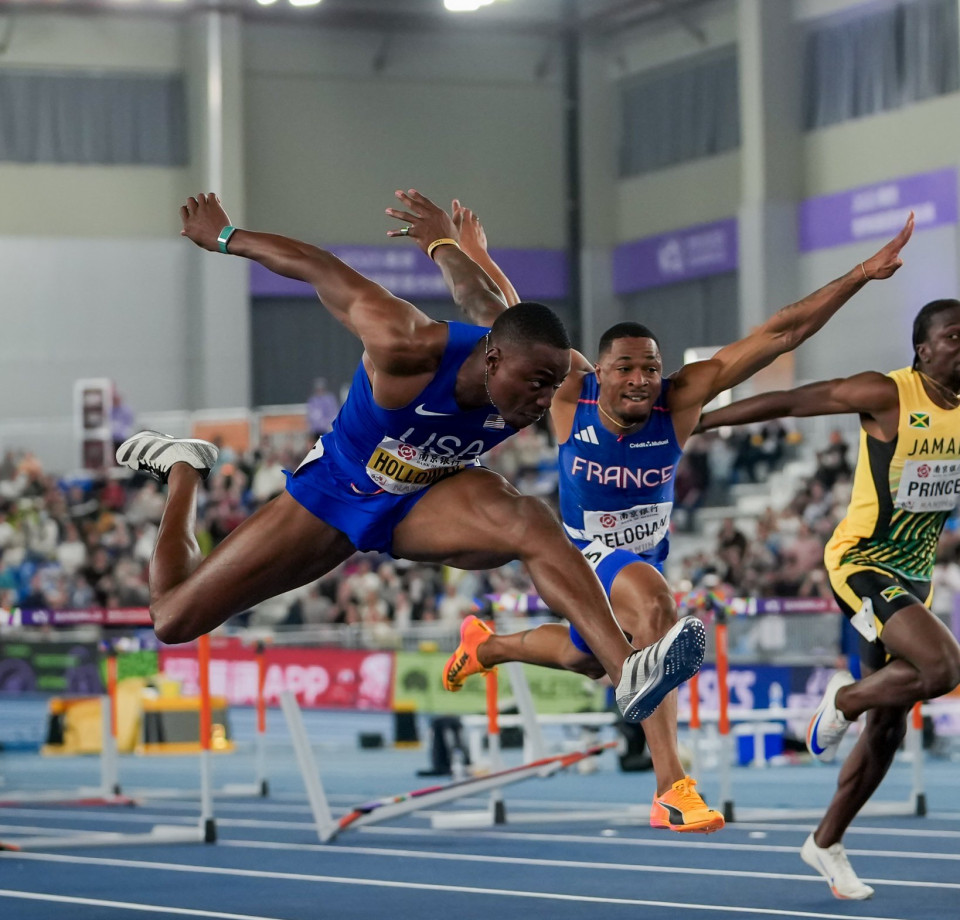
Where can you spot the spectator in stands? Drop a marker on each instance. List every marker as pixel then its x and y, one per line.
pixel 833 462
pixel 322 409
pixel 692 482
pixel 268 478
pixel 122 419
pixel 454 606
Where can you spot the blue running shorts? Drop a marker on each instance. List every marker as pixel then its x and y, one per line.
pixel 607 562
pixel 368 518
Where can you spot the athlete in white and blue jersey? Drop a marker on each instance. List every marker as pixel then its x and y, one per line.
pixel 398 472
pixel 621 428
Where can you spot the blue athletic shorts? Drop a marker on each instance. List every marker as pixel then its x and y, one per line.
pixel 607 563
pixel 368 518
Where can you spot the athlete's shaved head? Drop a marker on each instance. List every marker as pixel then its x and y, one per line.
pixel 529 322
pixel 924 320
pixel 625 331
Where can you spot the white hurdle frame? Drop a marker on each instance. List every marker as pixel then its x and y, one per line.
pixel 915 804
pixel 329 827
pixel 206 829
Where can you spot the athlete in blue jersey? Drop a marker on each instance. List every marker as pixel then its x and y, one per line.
pixel 621 427
pixel 398 471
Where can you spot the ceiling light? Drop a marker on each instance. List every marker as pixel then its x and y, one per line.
pixel 465 6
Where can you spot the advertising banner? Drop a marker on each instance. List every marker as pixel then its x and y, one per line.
pixel 538 274
pixel 320 678
pixel 692 252
pixel 878 210
pixel 418 681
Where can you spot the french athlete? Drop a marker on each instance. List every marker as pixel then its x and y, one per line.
pixel 621 426
pixel 399 471
pixel 880 562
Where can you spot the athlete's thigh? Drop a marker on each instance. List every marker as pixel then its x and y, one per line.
pixel 642 602
pixel 474 519
pixel 891 611
pixel 280 547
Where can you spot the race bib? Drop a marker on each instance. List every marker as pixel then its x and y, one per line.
pixel 401 468
pixel 637 529
pixel 929 485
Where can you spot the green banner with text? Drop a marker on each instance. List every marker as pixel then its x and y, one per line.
pixel 417 682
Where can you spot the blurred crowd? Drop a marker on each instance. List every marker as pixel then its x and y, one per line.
pixel 780 552
pixel 85 540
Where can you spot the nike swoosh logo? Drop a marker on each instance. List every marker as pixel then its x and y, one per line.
pixel 421 411
pixel 813 736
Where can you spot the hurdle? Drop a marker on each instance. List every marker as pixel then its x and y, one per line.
pixel 204 832
pixel 915 803
pixel 396 806
pixel 260 786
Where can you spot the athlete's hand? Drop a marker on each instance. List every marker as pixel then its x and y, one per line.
pixel 203 218
pixel 473 238
pixel 884 263
pixel 427 221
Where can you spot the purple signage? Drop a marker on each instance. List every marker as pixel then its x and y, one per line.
pixel 878 210
pixel 537 274
pixel 693 252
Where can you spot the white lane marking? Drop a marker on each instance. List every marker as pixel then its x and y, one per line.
pixel 562 863
pixel 425 886
pixel 641 842
pixel 128 905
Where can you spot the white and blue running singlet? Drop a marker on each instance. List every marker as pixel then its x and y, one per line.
pixel 365 475
pixel 616 492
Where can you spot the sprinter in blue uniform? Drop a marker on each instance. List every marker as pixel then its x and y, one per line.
pixel 398 473
pixel 621 427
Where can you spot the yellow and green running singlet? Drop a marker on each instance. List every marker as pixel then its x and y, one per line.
pixel 903 490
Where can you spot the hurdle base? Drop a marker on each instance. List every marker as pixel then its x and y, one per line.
pixel 728 814
pixel 161 833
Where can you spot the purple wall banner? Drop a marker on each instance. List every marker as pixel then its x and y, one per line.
pixel 537 274
pixel 693 252
pixel 877 210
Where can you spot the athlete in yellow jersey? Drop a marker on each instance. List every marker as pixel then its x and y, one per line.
pixel 880 561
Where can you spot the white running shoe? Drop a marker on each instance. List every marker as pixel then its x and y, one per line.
pixel 829 725
pixel 832 863
pixel 652 672
pixel 156 453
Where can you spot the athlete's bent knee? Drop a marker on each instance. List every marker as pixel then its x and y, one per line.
pixel 582 663
pixel 533 527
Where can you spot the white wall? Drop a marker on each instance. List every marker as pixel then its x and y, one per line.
pixel 91 308
pixel 329 139
pixel 873 331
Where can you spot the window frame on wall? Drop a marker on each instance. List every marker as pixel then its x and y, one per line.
pixel 93 118
pixel 679 113
pixel 862 63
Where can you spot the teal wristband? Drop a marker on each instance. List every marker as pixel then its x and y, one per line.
pixel 224 238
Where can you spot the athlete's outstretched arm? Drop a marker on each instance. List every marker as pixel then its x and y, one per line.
pixel 471 287
pixel 473 241
pixel 698 383
pixel 391 329
pixel 868 394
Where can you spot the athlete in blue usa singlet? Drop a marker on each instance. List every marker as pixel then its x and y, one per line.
pixel 365 475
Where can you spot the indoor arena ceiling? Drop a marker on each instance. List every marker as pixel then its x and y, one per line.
pixel 543 16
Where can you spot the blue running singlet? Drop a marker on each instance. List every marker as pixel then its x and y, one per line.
pixel 365 475
pixel 616 492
